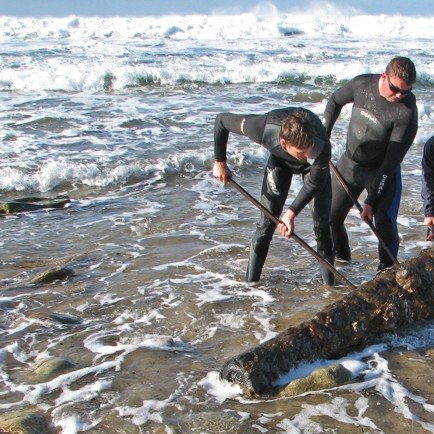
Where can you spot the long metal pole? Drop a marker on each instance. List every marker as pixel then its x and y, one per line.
pixel 359 207
pixel 300 241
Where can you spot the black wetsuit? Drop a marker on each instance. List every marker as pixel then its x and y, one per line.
pixel 379 135
pixel 428 178
pixel 265 130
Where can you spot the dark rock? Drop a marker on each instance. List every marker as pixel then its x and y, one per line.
pixel 52 366
pixel 323 378
pixel 24 422
pixel 53 274
pixel 56 318
pixel 33 203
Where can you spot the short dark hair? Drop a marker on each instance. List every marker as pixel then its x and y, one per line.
pixel 297 130
pixel 403 68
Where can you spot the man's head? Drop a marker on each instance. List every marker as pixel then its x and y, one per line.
pixel 297 134
pixel 397 81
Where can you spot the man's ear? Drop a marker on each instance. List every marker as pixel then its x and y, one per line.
pixel 283 143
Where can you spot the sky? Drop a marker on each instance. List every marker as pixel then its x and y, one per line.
pixel 104 8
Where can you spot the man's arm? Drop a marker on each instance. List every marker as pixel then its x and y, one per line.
pixel 428 186
pixel 400 141
pixel 224 123
pixel 245 125
pixel 314 181
pixel 337 100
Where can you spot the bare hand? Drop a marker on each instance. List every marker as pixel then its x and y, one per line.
pixel 221 171
pixel 367 213
pixel 429 222
pixel 286 225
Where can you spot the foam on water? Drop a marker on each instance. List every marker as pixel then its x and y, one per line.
pixel 73 424
pixel 33 392
pixel 125 346
pixel 263 23
pixel 287 37
pixel 219 389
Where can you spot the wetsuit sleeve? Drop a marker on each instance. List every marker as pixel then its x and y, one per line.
pixel 428 178
pixel 251 126
pixel 402 137
pixel 342 96
pixel 318 175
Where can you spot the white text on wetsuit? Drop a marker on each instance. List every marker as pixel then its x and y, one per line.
pixel 381 186
pixel 369 116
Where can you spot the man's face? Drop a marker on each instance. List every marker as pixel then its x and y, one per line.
pixel 393 88
pixel 299 154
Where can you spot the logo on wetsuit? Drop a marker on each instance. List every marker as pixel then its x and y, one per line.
pixel 271 182
pixel 369 116
pixel 381 186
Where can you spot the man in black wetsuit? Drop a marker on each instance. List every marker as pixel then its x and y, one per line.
pixel 298 144
pixel 428 187
pixel 382 127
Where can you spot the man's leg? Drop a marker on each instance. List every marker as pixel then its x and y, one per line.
pixel 275 186
pixel 385 218
pixel 341 205
pixel 321 226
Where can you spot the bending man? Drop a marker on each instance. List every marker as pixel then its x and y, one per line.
pixel 298 144
pixel 382 128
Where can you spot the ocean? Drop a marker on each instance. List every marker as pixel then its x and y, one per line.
pixel 117 113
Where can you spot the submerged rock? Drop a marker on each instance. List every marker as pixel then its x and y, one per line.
pixel 56 318
pixel 323 378
pixel 395 297
pixel 52 366
pixel 8 304
pixel 53 274
pixel 24 422
pixel 206 422
pixel 33 203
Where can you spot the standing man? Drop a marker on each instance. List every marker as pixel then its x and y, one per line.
pixel 298 144
pixel 428 187
pixel 382 128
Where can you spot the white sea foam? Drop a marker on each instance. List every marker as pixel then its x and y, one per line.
pixel 108 69
pixel 72 424
pixel 220 389
pixel 85 393
pixel 150 410
pixel 125 346
pixel 53 174
pixel 92 31
pixel 336 409
pixel 234 320
pixel 32 392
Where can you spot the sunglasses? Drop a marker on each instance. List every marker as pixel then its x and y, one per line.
pixel 396 89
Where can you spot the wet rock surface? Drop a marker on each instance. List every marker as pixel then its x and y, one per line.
pixel 53 274
pixel 56 318
pixel 323 378
pixel 33 203
pixel 52 366
pixel 27 421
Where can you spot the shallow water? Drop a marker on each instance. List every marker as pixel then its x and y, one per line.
pixel 161 305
